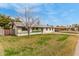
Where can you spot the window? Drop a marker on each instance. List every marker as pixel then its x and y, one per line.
pixel 24 29
pixel 33 28
pixel 36 28
pixel 46 28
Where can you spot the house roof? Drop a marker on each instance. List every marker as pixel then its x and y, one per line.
pixel 20 24
pixel 42 26
pixel 60 27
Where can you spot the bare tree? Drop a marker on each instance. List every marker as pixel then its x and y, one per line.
pixel 29 20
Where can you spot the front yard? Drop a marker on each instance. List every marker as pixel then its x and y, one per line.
pixel 38 45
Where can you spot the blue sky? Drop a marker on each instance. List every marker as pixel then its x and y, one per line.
pixel 49 13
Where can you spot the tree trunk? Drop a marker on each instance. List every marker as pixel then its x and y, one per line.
pixel 28 31
pixel 42 30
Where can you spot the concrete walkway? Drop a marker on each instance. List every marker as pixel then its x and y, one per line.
pixel 64 33
pixel 77 49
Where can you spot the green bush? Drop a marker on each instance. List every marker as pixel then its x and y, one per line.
pixel 62 38
pixel 36 31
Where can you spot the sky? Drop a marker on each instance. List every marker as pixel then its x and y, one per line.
pixel 49 13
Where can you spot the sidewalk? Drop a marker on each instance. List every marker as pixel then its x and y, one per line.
pixel 64 33
pixel 77 49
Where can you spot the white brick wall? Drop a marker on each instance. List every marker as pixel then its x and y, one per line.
pixel 48 31
pixel 23 33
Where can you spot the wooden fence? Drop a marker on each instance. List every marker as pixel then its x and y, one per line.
pixel 7 32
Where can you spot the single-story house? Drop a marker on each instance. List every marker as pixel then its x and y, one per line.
pixel 60 28
pixel 21 30
pixel 65 28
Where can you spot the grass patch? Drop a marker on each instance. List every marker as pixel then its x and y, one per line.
pixel 43 40
pixel 10 51
pixel 39 45
pixel 62 38
pixel 16 51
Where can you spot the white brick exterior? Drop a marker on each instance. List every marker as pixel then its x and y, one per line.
pixel 49 30
pixel 19 32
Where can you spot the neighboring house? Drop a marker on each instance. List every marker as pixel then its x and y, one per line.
pixel 66 29
pixel 21 30
pixel 60 28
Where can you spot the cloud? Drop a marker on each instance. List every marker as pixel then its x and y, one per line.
pixel 64 14
pixel 34 7
pixel 4 5
pixel 20 8
pixel 14 6
pixel 51 12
